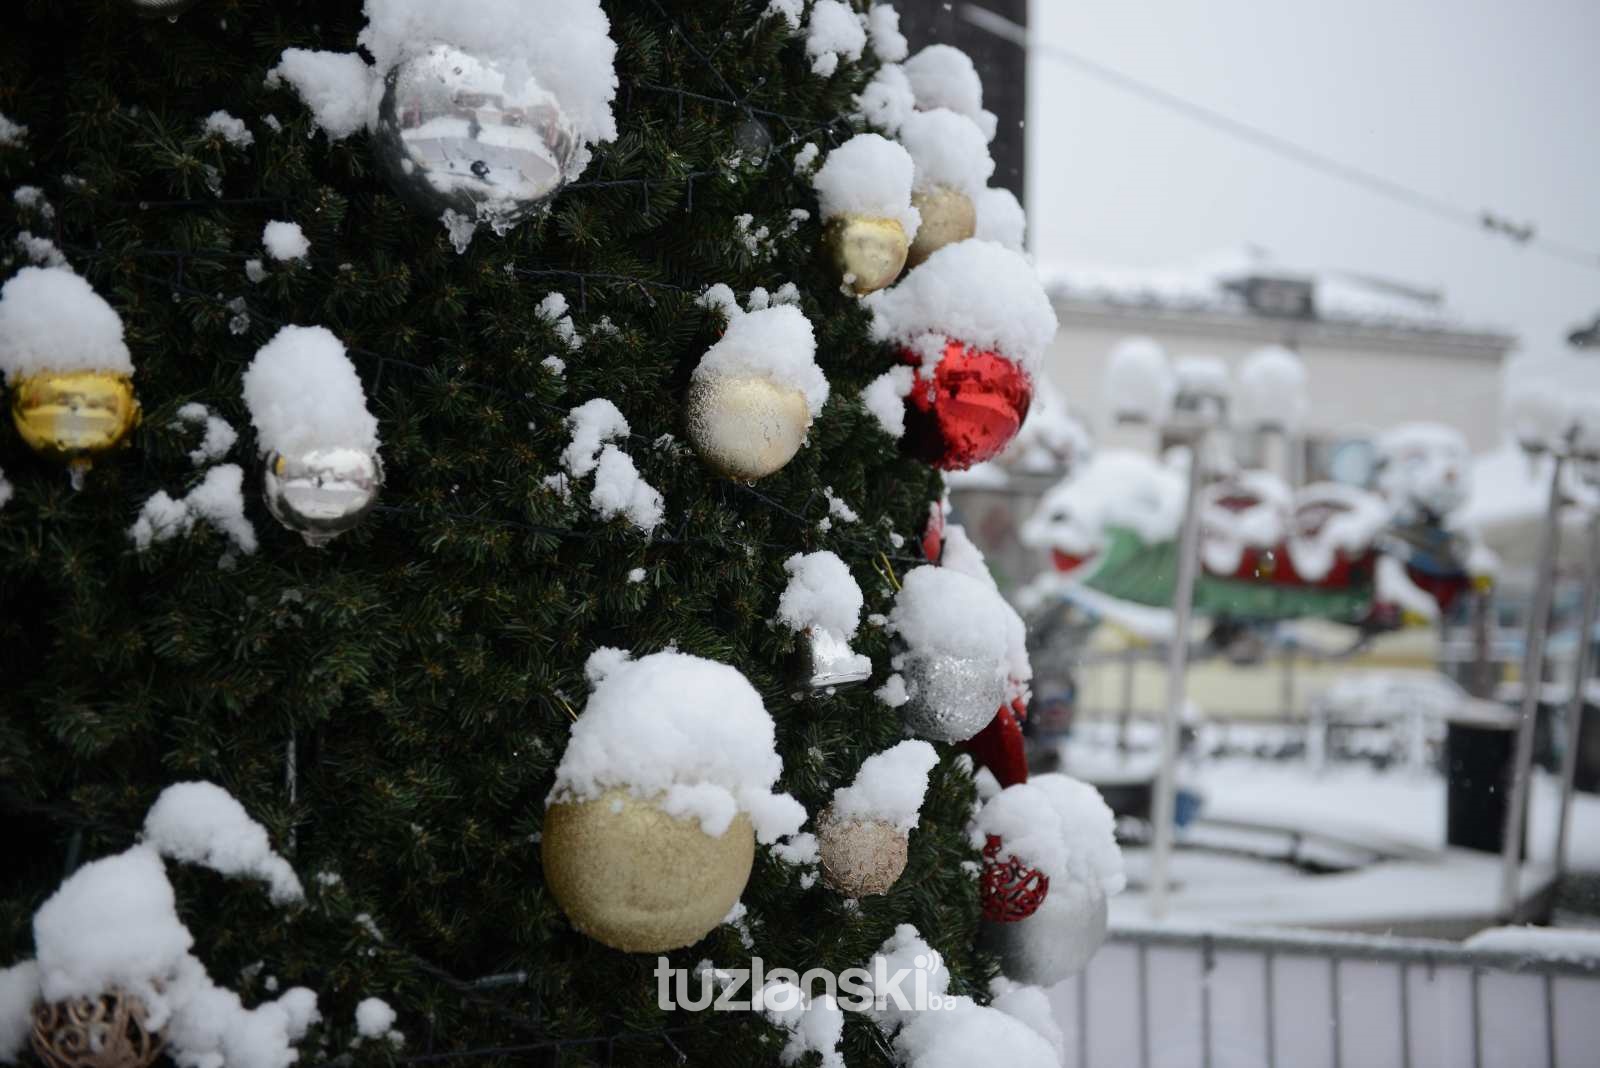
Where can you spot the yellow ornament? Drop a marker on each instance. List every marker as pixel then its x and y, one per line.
pixel 860 857
pixel 948 216
pixel 104 1032
pixel 631 876
pixel 869 251
pixel 746 426
pixel 74 415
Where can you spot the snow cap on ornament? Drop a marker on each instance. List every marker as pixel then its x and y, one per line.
pixel 1001 218
pixel 322 473
pixel 665 787
pixel 975 321
pixel 480 110
pixel 754 393
pixel 823 603
pixel 942 76
pixel 63 356
pixel 864 194
pixel 952 167
pixel 956 664
pixel 1271 392
pixel 862 836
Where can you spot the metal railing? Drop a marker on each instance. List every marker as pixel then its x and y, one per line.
pixel 1156 997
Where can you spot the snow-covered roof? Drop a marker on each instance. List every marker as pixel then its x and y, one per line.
pixel 1214 284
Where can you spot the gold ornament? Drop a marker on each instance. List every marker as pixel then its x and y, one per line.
pixel 869 251
pixel 746 426
pixel 74 415
pixel 104 1032
pixel 860 857
pixel 948 216
pixel 631 876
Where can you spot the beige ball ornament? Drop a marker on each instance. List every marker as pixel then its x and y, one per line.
pixel 948 216
pixel 108 1031
pixel 870 252
pixel 631 876
pixel 860 856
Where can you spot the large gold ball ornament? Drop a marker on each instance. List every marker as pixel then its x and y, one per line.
pixel 869 251
pixel 74 415
pixel 631 876
pixel 860 857
pixel 948 216
pixel 104 1032
pixel 746 426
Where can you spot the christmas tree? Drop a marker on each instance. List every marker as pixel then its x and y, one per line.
pixel 513 525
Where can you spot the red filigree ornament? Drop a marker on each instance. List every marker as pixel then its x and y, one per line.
pixel 999 746
pixel 933 533
pixel 969 412
pixel 1010 890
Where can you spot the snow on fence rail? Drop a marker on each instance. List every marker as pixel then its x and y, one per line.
pixel 1164 997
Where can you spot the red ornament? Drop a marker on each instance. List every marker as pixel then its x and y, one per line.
pixel 933 533
pixel 1010 891
pixel 972 409
pixel 999 748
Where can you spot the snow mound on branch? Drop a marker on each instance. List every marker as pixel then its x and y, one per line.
pixel 906 951
pixel 944 77
pixel 340 90
pixel 229 128
pixel 960 554
pixel 834 32
pixel 887 100
pixel 1001 218
pixel 948 150
pixel 303 394
pixel 883 28
pixel 219 435
pixel 966 1033
pixel 217 500
pixel 689 732
pixel 1031 1005
pixel 52 320
pixel 868 175
pixel 285 240
pixel 975 292
pixel 941 612
pixel 201 823
pixel 6 490
pixel 1058 825
pixel 821 593
pixel 619 489
pixel 1139 382
pixel 890 786
pixel 775 343
pixel 884 397
pixel 12 133
pixel 1272 389
pixel 812 1024
pixel 789 10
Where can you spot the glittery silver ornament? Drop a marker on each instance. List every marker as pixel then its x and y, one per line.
pixel 950 698
pixel 827 659
pixel 323 493
pixel 456 133
pixel 1057 941
pixel 157 9
pixel 860 857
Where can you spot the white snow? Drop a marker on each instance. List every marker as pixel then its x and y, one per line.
pixel 1204 376
pixel 40 251
pixel 618 489
pixel 255 271
pixel 884 397
pixel 969 1034
pixel 960 554
pixel 887 100
pixel 868 175
pixel 806 158
pixel 883 28
pixel 1031 1005
pixel 833 33
pixel 790 11
pixel 889 786
pixel 219 435
pixel 340 90
pixel 6 490
pixel 1140 383
pixel 1540 943
pixel 30 198
pixel 689 732
pixel 906 951
pixel 1116 488
pixel 948 150
pixel 636 575
pixel 201 823
pixel 1271 389
pixel 1000 218
pixel 374 1018
pixel 19 990
pixel 553 310
pixel 1423 468
pixel 776 343
pixel 944 77
pixel 230 129
pixel 975 292
pixel 303 394
pixel 893 691
pixel 1059 826
pixel 285 240
pixel 11 132
pixel 940 612
pixel 52 320
pixel 812 1024
pixel 821 593
pixel 217 500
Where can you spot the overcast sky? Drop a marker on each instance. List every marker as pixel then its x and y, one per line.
pixel 1485 103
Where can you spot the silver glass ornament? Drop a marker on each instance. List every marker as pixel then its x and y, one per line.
pixel 322 493
pixel 157 9
pixel 950 698
pixel 1057 941
pixel 753 140
pixel 458 133
pixel 827 659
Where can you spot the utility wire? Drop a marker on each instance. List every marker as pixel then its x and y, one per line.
pixel 1522 233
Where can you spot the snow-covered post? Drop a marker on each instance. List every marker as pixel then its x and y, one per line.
pixel 1580 678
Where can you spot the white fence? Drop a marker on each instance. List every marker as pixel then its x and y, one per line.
pixel 1163 998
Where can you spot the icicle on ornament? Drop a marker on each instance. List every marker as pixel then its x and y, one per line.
pixel 665 786
pixel 755 392
pixel 864 193
pixel 70 373
pixel 322 473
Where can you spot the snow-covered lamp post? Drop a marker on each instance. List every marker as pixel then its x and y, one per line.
pixel 1186 401
pixel 1546 419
